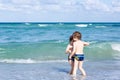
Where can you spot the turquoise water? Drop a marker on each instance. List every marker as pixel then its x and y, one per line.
pixel 35 42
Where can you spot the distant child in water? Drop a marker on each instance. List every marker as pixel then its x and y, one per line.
pixel 69 49
pixel 78 53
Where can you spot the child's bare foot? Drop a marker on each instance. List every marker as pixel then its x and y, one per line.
pixel 84 75
pixel 74 77
pixel 70 73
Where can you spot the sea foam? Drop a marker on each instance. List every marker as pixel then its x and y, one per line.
pixel 42 25
pixel 100 26
pixel 81 25
pixel 28 61
pixel 116 47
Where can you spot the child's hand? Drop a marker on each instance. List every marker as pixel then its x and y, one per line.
pixel 69 57
pixel 86 43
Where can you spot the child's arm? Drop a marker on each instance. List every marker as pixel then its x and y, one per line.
pixel 73 52
pixel 67 49
pixel 86 43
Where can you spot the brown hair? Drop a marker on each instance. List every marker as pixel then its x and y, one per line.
pixel 77 34
pixel 71 38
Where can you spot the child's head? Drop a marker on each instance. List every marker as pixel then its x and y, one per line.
pixel 77 35
pixel 71 39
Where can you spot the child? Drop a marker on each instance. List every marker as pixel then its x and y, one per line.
pixel 68 51
pixel 77 52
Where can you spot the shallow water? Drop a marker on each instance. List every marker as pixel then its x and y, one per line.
pixel 100 70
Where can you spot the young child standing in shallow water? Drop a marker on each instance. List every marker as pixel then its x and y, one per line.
pixel 77 52
pixel 68 51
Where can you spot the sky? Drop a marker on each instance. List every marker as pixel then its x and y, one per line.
pixel 59 10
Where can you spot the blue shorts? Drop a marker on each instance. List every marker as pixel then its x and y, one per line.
pixel 79 57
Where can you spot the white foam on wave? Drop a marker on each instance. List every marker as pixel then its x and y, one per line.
pixel 90 24
pixel 61 23
pixel 17 61
pixel 42 25
pixel 59 41
pixel 2 49
pixel 116 47
pixel 100 26
pixel 81 25
pixel 27 23
pixel 27 61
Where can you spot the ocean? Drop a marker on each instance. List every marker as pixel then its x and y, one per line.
pixel 27 47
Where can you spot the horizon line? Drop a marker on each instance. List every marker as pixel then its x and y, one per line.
pixel 60 22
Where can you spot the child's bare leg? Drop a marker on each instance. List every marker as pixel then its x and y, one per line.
pixel 72 65
pixel 81 68
pixel 75 67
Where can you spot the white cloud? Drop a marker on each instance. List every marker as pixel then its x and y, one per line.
pixel 36 5
pixel 95 5
pixel 69 2
pixel 116 3
pixel 8 7
pixel 59 5
pixel 98 5
pixel 47 2
pixel 21 5
pixel 24 2
pixel 52 7
pixel 116 6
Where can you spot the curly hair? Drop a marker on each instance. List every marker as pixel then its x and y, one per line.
pixel 77 34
